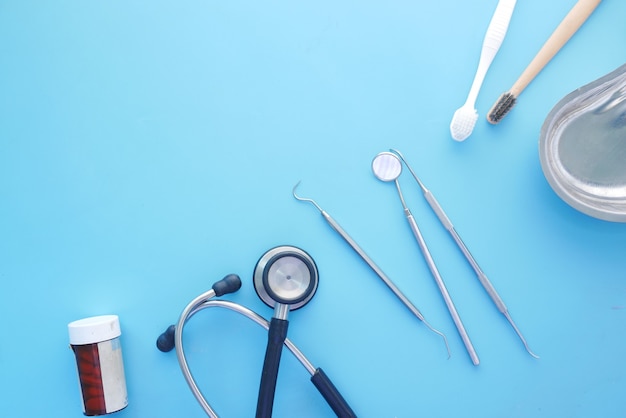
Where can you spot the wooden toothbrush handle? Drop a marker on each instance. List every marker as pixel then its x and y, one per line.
pixel 568 26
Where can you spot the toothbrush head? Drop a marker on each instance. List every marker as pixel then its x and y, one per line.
pixel 499 110
pixel 463 123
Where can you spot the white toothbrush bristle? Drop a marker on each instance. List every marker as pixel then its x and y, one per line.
pixel 463 123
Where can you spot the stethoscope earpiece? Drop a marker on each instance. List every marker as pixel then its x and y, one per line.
pixel 229 284
pixel 165 342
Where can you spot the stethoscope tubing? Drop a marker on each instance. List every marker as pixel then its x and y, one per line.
pixel 255 317
pixel 187 313
pixel 318 377
pixel 276 336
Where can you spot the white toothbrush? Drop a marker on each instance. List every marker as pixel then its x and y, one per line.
pixel 465 117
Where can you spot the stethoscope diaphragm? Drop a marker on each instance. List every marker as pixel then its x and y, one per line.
pixel 286 275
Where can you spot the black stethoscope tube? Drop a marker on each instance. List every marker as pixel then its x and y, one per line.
pixel 330 393
pixel 277 334
pixel 319 378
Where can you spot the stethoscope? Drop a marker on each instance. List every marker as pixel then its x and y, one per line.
pixel 285 278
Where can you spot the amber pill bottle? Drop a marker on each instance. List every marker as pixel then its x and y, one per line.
pixel 96 345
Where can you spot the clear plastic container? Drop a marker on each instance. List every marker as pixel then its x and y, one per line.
pixel 582 147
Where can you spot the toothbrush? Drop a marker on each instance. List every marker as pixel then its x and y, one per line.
pixel 566 29
pixel 466 116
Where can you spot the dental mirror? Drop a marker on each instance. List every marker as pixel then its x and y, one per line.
pixel 387 166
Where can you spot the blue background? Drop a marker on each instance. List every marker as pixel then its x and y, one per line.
pixel 148 148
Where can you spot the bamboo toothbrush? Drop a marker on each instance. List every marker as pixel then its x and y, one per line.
pixel 568 26
pixel 465 117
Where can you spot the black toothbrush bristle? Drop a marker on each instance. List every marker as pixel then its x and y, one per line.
pixel 504 104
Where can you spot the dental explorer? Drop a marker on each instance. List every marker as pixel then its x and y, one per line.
pixel 482 277
pixel 396 291
pixel 387 167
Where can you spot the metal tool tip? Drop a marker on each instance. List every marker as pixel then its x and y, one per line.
pixel 304 199
pixel 519 334
pixel 441 334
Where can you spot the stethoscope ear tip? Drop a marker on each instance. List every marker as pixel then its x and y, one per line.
pixel 229 284
pixel 165 342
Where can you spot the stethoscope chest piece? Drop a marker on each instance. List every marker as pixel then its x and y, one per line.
pixel 286 275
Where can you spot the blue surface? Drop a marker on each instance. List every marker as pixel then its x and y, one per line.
pixel 148 148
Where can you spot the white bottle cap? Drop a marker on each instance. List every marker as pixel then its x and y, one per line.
pixel 94 329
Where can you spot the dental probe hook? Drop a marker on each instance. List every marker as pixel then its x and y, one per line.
pixel 305 199
pixel 371 264
pixel 482 277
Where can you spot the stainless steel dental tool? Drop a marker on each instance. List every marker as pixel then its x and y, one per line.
pixel 482 277
pixel 371 264
pixel 387 167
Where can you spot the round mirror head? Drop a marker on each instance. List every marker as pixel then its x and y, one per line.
pixel 387 166
pixel 286 275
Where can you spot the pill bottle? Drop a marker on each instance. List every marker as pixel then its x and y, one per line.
pixel 96 345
